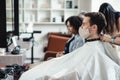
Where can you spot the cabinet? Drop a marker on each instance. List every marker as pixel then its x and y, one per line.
pixel 45 11
pixel 10 59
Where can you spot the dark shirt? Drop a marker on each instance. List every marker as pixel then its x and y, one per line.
pixel 117 15
pixel 67 45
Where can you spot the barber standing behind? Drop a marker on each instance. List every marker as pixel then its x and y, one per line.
pixel 112 30
pixel 73 24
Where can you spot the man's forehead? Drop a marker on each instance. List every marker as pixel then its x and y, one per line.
pixel 86 19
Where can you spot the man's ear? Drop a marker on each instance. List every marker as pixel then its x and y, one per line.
pixel 94 26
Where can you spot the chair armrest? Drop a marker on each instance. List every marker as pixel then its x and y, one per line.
pixel 60 34
pixel 50 54
pixel 45 49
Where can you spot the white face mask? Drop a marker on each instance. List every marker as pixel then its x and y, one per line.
pixel 84 32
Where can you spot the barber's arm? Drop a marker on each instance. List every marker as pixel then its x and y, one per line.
pixel 111 39
pixel 117 41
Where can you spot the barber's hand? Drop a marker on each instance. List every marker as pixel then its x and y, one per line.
pixel 59 54
pixel 105 38
pixel 118 35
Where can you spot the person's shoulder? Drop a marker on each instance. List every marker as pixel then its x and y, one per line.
pixel 79 38
pixel 117 14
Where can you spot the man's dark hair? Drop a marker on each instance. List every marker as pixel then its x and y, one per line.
pixel 98 19
pixel 75 22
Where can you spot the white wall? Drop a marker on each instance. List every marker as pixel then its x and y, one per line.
pixel 95 4
pixel 85 5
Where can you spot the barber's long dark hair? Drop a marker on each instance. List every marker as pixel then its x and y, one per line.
pixel 75 22
pixel 109 13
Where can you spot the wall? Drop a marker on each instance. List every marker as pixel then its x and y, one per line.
pixel 95 4
pixel 85 5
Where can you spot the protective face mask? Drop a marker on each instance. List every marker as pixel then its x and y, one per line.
pixel 84 32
